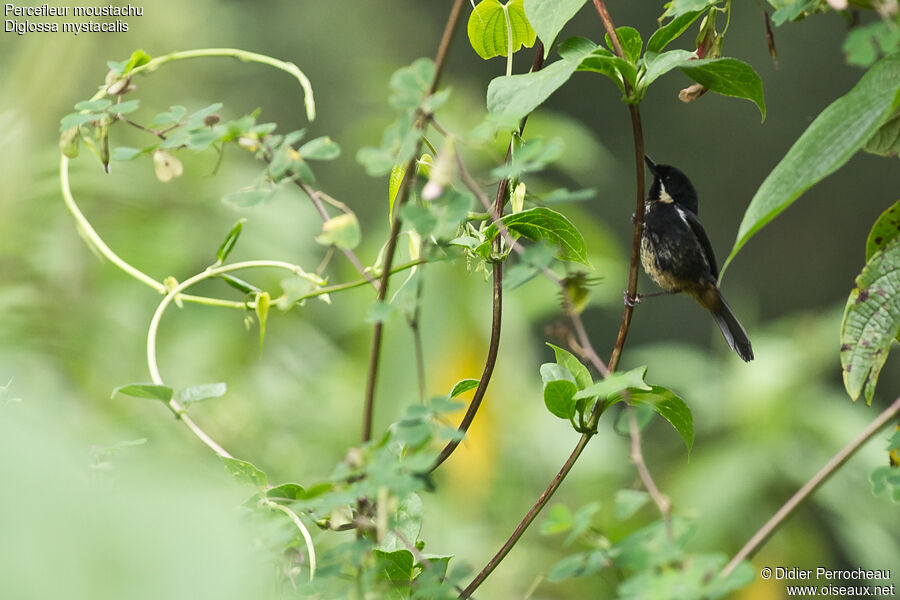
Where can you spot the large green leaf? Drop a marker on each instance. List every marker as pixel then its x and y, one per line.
pixel 566 359
pixel 616 382
pixel 670 407
pixel 658 65
pixel 518 95
pixel 541 223
pixel 871 321
pixel 729 77
pixel 488 32
pixel 829 142
pixel 631 41
pixel 663 36
pixel 677 8
pixel 548 17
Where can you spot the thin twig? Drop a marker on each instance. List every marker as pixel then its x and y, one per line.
pixel 402 195
pixel 637 457
pixel 772 525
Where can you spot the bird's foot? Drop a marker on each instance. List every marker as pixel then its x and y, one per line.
pixel 631 301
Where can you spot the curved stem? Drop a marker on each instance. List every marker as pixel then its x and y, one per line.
pixel 310 549
pixel 766 531
pixel 244 56
pixel 155 376
pixel 637 457
pixel 90 234
pixel 402 195
pixel 96 243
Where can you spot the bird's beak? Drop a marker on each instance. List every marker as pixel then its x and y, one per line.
pixel 650 164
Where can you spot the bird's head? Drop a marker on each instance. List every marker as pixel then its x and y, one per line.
pixel 671 185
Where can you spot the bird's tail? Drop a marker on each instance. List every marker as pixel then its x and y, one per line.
pixel 713 300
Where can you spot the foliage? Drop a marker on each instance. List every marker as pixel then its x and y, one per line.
pixel 368 514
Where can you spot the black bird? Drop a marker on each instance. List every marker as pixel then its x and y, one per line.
pixel 677 255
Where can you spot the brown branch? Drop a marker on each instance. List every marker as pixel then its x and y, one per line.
pixel 637 457
pixel 772 525
pixel 402 195
pixel 496 210
pixel 599 407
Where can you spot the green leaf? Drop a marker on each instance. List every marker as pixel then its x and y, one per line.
pixel 397 173
pixel 886 141
pixel 606 63
pixel 631 41
pixel 463 386
pixel 885 229
pixel 341 231
pixel 94 105
pixel 660 64
pixel 515 96
pixel 670 407
pixel 410 84
pixel 677 8
pixel 559 390
pixel 792 11
pixel 729 77
pixel 548 17
pixel 137 58
pixel 123 153
pixel 669 32
pixel 377 161
pixel 263 301
pixel 566 359
pixel 488 31
pixel 201 392
pixel 126 107
pixel 229 242
pixel 145 390
pixel 286 491
pixel 628 502
pixel 864 44
pixel 616 382
pixel 886 478
pixel 559 520
pixel 396 566
pixel 829 142
pixel 322 148
pixel 246 472
pixel 871 320
pixel 532 156
pixel 248 197
pixel 75 119
pixel 408 521
pixel 542 223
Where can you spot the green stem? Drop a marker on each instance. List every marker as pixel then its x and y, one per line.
pixel 310 549
pixel 96 243
pixel 509 41
pixel 243 55
pixel 173 404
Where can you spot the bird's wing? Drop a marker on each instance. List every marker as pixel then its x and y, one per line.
pixel 694 223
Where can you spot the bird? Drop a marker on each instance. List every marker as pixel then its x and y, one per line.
pixel 677 255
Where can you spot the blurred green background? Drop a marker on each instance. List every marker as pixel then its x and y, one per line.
pixel 74 328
